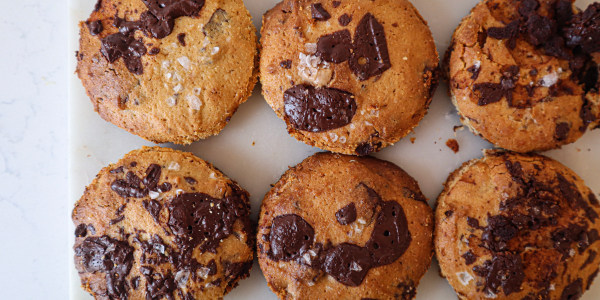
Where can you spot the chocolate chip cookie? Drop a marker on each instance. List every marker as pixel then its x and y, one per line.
pixel 524 73
pixel 162 224
pixel 517 226
pixel 345 227
pixel 168 71
pixel 348 76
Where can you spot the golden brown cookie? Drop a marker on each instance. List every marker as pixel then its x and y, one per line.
pixel 523 73
pixel 516 226
pixel 345 227
pixel 349 76
pixel 168 71
pixel 162 224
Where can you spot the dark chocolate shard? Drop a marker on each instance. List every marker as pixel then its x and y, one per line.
pixel 561 132
pixel 347 263
pixel 370 57
pixel 131 50
pixel 318 109
pixel 153 207
pixel 95 27
pixel 291 236
pixel 344 19
pixel 346 214
pixel 319 13
pixel 469 257
pixel 335 47
pixel 110 256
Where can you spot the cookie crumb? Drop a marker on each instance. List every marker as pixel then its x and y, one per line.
pixel 412 140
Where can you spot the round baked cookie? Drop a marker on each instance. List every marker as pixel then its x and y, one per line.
pixel 348 76
pixel 523 73
pixel 345 227
pixel 162 224
pixel 168 71
pixel 517 226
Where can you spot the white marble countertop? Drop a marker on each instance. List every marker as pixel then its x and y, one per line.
pixel 33 149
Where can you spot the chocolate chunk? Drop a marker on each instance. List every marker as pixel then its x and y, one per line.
pixel 130 187
pixel 291 236
pixel 116 220
pixel 563 12
pixel 110 256
pixel 346 214
pixel 593 200
pixel 498 232
pixel 573 291
pixel 370 57
pixel 153 207
pixel 367 148
pixel 158 285
pixel 131 50
pixel 318 12
pixel 135 282
pixel 344 19
pixel 489 93
pixel 133 164
pixel 591 256
pixel 584 29
pixel 586 115
pixel 509 32
pixel 449 213
pixel 318 109
pixel 418 196
pixel 528 7
pixel 181 38
pixel 198 219
pixel 472 222
pixel 152 176
pixel 469 257
pixel 504 271
pixel 286 64
pixel 571 193
pixel 190 180
pixel 81 230
pixel 482 38
pixel 347 263
pixel 214 27
pixel 390 237
pixel 335 4
pixel 474 70
pixel 562 131
pixel 591 279
pixel 539 29
pixel 335 47
pixel 154 51
pixel 117 170
pixel 95 27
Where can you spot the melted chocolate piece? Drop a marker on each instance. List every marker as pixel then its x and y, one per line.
pixel 181 38
pixel 370 57
pixel 190 180
pixel 539 29
pixel 198 219
pixel 116 220
pixel 367 148
pixel 469 257
pixel 335 4
pixel 235 271
pixel 158 21
pixel 95 27
pixel 584 30
pixel 286 64
pixel 290 237
pixel 158 285
pixel 347 263
pixel 573 291
pixel 81 230
pixel 474 70
pixel 335 47
pixel 153 207
pixel 504 271
pixel 110 256
pixel 318 12
pixel 562 131
pixel 344 19
pixel 318 109
pixel 494 92
pixel 154 51
pixel 131 50
pixel 509 32
pixel 133 186
pixel 591 256
pixel 346 214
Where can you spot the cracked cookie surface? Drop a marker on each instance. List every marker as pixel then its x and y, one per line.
pixel 162 224
pixel 523 73
pixel 345 227
pixel 174 72
pixel 348 76
pixel 517 226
